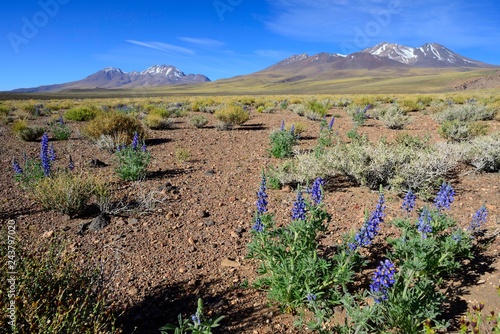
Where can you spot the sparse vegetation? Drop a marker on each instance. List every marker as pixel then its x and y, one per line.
pixel 81 114
pixel 117 126
pixel 231 116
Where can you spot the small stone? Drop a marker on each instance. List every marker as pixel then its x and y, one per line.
pixel 169 215
pixel 481 281
pixel 203 214
pixel 209 223
pixel 235 235
pixel 133 221
pixel 132 291
pixel 287 189
pixel 230 263
pixel 99 223
pixel 48 234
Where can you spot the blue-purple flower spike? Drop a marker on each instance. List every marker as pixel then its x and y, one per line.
pixel 299 208
pixel 445 197
pixel 135 141
pixel 258 226
pixel 478 219
pixel 262 197
pixel 292 130
pixel 317 190
pixel 371 227
pixel 330 125
pixel 382 280
pixel 143 147
pixel 71 164
pixel 52 153
pixel 424 223
pixel 17 168
pixel 282 127
pixel 409 202
pixel 44 154
pixel 61 120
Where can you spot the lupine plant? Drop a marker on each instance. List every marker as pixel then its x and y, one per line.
pixel 406 288
pixel 60 129
pixel 326 136
pixel 197 324
pixel 282 142
pixel 133 160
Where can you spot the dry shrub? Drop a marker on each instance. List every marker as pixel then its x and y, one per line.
pixel 230 116
pixel 119 127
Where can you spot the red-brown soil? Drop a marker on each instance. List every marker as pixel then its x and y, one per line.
pixel 193 243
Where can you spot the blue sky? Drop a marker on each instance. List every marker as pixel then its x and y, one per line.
pixel 55 41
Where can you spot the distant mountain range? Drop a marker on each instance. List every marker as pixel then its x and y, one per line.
pixel 110 77
pixel 382 55
pixel 388 57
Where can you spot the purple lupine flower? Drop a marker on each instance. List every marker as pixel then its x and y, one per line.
pixel 382 280
pixel 292 130
pixel 258 226
pixel 71 164
pixel 330 125
pixel 317 190
pixel 444 197
pixel 52 153
pixel 44 154
pixel 61 120
pixel 424 223
pixel 196 318
pixel 478 219
pixel 457 237
pixel 143 147
pixel 262 197
pixel 409 202
pixel 135 141
pixel 310 296
pixel 299 208
pixel 371 227
pixel 17 169
pixel 282 127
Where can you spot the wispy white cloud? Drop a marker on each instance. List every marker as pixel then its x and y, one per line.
pixel 163 47
pixel 203 42
pixel 272 54
pixel 356 24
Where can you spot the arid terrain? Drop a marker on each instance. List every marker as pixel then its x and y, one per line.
pixel 190 239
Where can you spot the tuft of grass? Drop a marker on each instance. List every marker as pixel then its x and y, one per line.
pixel 65 192
pixel 81 114
pixel 198 121
pixel 54 294
pixel 182 154
pixel 231 116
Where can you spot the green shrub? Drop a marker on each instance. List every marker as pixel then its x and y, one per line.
pixel 358 114
pixel 81 114
pixel 198 121
pixel 117 126
pixel 231 115
pixel 465 113
pixel 282 143
pixel 60 130
pixel 133 161
pixel 157 122
pixel 25 132
pixel 394 118
pixel 54 292
pixel 456 131
pixel 317 109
